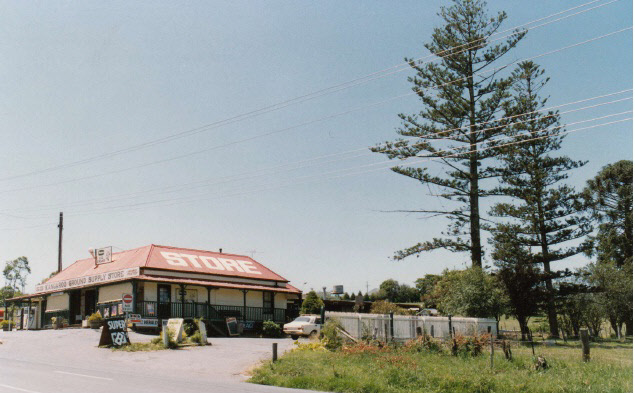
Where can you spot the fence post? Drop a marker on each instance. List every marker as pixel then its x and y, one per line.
pixel 274 348
pixel 392 326
pixel 586 349
pixel 450 325
pixel 491 351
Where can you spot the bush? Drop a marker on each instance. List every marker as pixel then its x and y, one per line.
pixel 5 323
pixel 330 336
pixel 271 329
pixel 312 304
pixel 385 307
pixel 197 338
pixel 95 317
pixel 190 328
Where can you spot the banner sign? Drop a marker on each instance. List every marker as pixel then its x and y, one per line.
pixel 138 321
pixel 114 333
pixel 88 280
pixel 103 255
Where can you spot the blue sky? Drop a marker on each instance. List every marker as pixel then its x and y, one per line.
pixel 80 79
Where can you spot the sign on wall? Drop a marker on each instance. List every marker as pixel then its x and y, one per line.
pixel 114 333
pixel 103 255
pixel 88 280
pixel 209 263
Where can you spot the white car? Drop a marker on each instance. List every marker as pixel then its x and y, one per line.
pixel 305 325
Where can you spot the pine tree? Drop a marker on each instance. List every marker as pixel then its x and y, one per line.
pixel 544 213
pixel 461 99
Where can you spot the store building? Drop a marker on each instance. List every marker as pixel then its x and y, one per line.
pixel 165 282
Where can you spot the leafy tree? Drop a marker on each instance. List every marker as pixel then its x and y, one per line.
pixel 425 286
pixel 16 272
pixel 544 213
pixel 615 285
pixel 461 101
pixel 470 293
pixel 312 304
pixel 346 296
pixel 366 296
pixel 389 289
pixel 609 196
pixel 520 278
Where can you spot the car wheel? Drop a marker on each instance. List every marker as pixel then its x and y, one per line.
pixel 294 337
pixel 313 335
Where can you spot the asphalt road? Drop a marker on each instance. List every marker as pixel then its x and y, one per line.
pixel 68 361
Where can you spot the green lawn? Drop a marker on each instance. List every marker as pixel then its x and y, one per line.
pixel 400 370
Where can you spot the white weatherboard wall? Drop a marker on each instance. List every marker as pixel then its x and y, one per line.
pixel 405 326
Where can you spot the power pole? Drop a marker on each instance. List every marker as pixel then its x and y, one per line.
pixel 59 246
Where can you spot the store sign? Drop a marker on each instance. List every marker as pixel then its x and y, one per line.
pixel 103 255
pixel 114 333
pixel 138 321
pixel 210 264
pixel 88 280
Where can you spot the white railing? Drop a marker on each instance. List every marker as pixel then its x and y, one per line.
pixel 407 327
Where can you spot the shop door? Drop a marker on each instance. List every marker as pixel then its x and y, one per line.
pixel 75 307
pixel 164 299
pixel 89 302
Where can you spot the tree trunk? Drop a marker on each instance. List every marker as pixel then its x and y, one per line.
pixel 551 306
pixel 475 225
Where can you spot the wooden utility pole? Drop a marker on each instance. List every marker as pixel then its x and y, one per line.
pixel 59 246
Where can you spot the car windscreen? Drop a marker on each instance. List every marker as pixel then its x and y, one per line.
pixel 302 319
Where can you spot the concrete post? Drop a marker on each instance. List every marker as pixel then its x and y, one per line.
pixel 586 349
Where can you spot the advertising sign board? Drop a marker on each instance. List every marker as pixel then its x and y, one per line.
pixel 88 280
pixel 114 333
pixel 232 326
pixel 103 255
pixel 175 325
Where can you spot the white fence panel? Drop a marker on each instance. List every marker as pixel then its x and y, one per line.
pixel 407 327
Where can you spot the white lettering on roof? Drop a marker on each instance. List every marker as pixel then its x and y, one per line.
pixel 230 265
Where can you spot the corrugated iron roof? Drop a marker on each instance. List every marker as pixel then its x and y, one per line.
pixel 173 259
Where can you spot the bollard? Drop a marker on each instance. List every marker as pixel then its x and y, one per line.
pixel 275 351
pixel 586 349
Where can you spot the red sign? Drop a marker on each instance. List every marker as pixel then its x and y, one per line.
pixel 127 298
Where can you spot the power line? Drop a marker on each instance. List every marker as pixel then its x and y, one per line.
pixel 206 183
pixel 365 167
pixel 200 151
pixel 302 98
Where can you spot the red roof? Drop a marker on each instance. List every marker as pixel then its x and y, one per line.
pixel 173 259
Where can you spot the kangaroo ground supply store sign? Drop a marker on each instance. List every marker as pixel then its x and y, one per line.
pixel 114 333
pixel 88 280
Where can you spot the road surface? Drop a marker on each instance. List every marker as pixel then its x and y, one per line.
pixel 68 361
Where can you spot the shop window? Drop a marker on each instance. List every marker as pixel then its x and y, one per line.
pixel 267 301
pixel 191 295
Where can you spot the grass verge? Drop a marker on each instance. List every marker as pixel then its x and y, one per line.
pixel 399 371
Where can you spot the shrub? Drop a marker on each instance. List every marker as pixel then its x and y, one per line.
pixel 5 323
pixel 312 304
pixel 330 335
pixel 95 317
pixel 386 307
pixel 271 329
pixel 197 338
pixel 190 328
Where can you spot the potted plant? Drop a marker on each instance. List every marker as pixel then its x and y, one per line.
pixel 6 325
pixel 95 320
